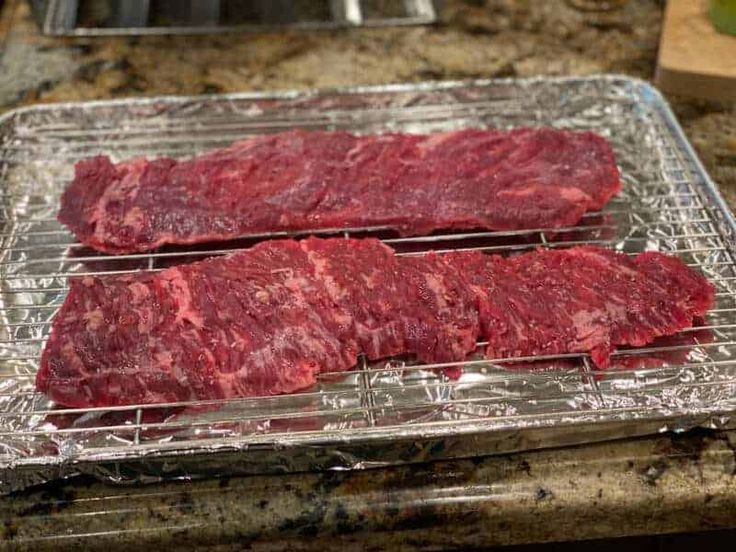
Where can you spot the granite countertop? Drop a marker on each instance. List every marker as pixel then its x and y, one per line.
pixel 649 485
pixel 642 486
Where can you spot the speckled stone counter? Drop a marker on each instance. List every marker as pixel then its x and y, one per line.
pixel 650 485
pixel 641 486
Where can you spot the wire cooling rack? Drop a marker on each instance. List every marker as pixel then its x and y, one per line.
pixel 380 413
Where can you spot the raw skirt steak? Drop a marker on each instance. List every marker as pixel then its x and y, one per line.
pixel 298 180
pixel 270 319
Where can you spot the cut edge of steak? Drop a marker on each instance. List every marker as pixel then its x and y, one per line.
pixel 98 192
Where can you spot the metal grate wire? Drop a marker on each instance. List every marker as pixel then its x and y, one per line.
pixel 665 206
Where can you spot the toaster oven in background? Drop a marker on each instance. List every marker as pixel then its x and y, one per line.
pixel 110 17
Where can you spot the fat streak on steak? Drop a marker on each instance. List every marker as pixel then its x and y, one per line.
pixel 269 319
pixel 299 180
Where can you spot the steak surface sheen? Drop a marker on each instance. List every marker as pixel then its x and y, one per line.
pixel 299 180
pixel 270 319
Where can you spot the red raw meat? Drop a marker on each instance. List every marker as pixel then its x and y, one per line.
pixel 581 299
pixel 269 319
pixel 399 305
pixel 299 180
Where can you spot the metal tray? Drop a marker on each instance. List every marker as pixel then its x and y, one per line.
pixel 137 17
pixel 388 412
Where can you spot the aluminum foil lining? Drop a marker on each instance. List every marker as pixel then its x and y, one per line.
pixel 393 411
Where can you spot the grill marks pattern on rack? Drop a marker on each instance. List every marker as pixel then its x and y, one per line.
pixel 662 207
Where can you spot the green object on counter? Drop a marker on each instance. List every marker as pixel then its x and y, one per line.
pixel 723 15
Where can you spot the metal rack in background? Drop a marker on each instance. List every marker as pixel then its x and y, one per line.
pixel 381 413
pixel 134 17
